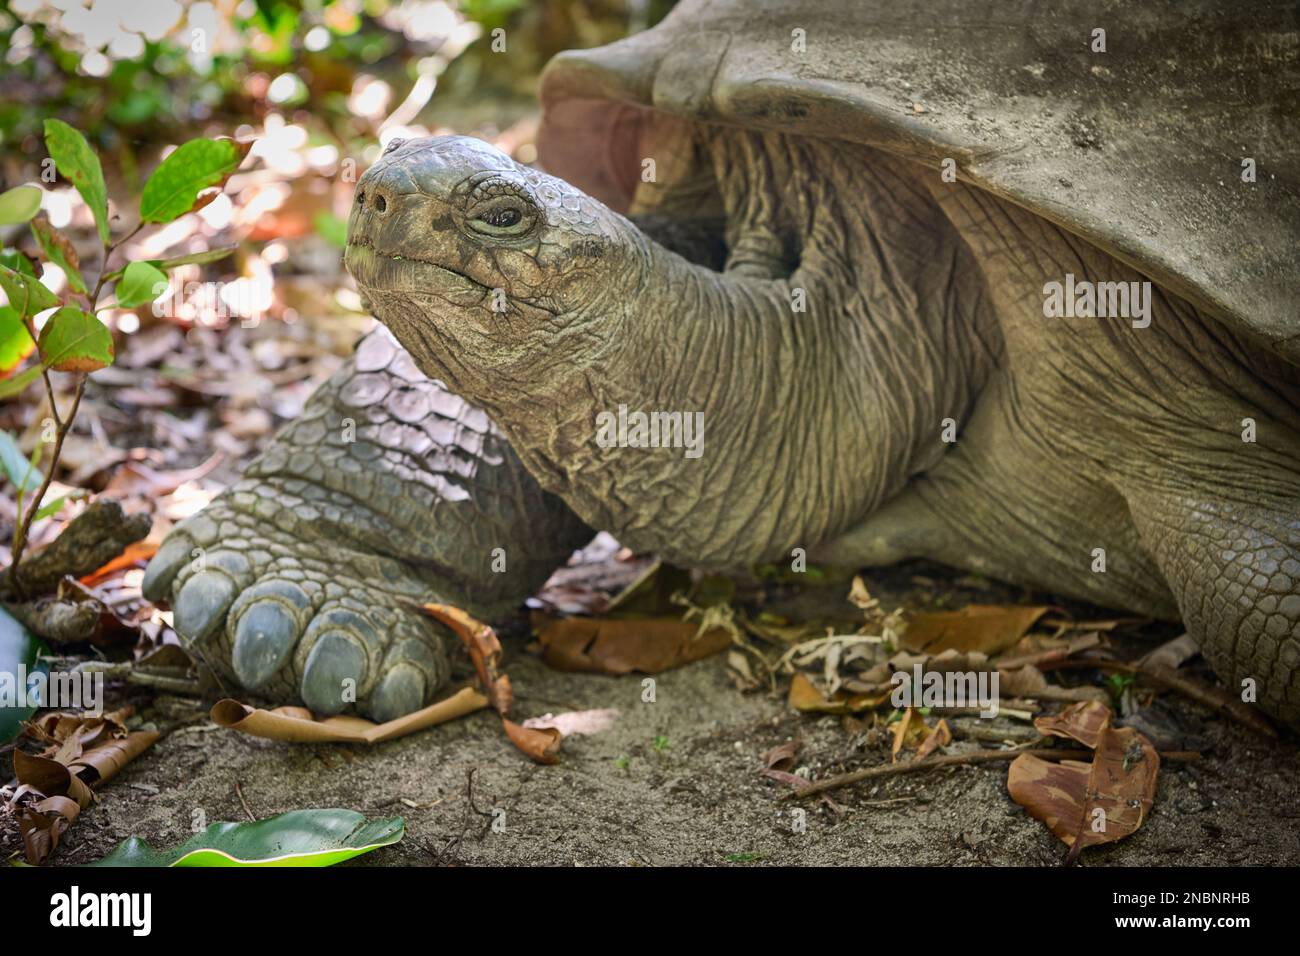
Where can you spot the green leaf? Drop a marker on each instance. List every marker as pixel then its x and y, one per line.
pixel 48 509
pixel 20 651
pixel 16 467
pixel 59 250
pixel 15 341
pixel 296 838
pixel 75 341
pixel 15 260
pixel 19 204
pixel 173 189
pixel 78 163
pixel 140 284
pixel 26 294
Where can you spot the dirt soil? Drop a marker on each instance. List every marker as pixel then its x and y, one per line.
pixel 676 781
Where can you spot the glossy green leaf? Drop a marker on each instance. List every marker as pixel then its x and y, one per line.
pixel 15 465
pixel 19 204
pixel 20 653
pixel 75 341
pixel 59 250
pixel 173 189
pixel 141 282
pixel 78 164
pixel 26 294
pixel 296 838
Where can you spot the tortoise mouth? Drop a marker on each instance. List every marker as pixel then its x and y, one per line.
pixel 394 272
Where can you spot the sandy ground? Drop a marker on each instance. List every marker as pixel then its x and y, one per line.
pixel 676 781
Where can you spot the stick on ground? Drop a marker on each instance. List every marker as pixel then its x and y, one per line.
pixel 958 760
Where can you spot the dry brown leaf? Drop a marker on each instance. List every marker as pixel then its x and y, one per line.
pixel 43 824
pixel 1086 805
pixel 780 757
pixel 622 646
pixel 43 774
pixel 66 787
pixel 1122 785
pixel 540 744
pixel 910 730
pixel 940 736
pixel 69 734
pixel 987 628
pixel 298 725
pixel 1083 722
pixel 1051 792
pixel 806 698
pixel 102 763
pixel 484 650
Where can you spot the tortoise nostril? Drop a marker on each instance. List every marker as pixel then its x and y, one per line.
pixel 361 197
pixel 381 203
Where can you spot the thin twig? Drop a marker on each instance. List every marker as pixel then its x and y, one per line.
pixel 20 536
pixel 143 676
pixel 103 267
pixel 45 372
pixel 958 760
pixel 240 793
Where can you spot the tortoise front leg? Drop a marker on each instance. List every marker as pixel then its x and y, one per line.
pixel 1234 566
pixel 299 582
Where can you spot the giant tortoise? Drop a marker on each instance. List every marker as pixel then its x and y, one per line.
pixel 1007 286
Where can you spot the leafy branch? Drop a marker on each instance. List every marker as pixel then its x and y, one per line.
pixel 72 339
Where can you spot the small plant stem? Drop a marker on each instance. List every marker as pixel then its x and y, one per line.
pixel 63 425
pixel 20 535
pixel 45 373
pixel 103 269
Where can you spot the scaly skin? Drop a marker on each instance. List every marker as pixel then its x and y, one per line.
pixel 924 304
pixel 387 493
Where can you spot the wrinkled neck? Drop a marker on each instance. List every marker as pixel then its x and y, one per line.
pixel 819 394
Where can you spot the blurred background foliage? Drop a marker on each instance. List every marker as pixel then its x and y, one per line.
pixel 340 72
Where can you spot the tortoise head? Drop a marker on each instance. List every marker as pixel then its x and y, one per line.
pixel 484 268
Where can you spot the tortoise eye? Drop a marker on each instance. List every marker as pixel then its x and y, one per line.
pixel 501 209
pixel 393 144
pixel 502 218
